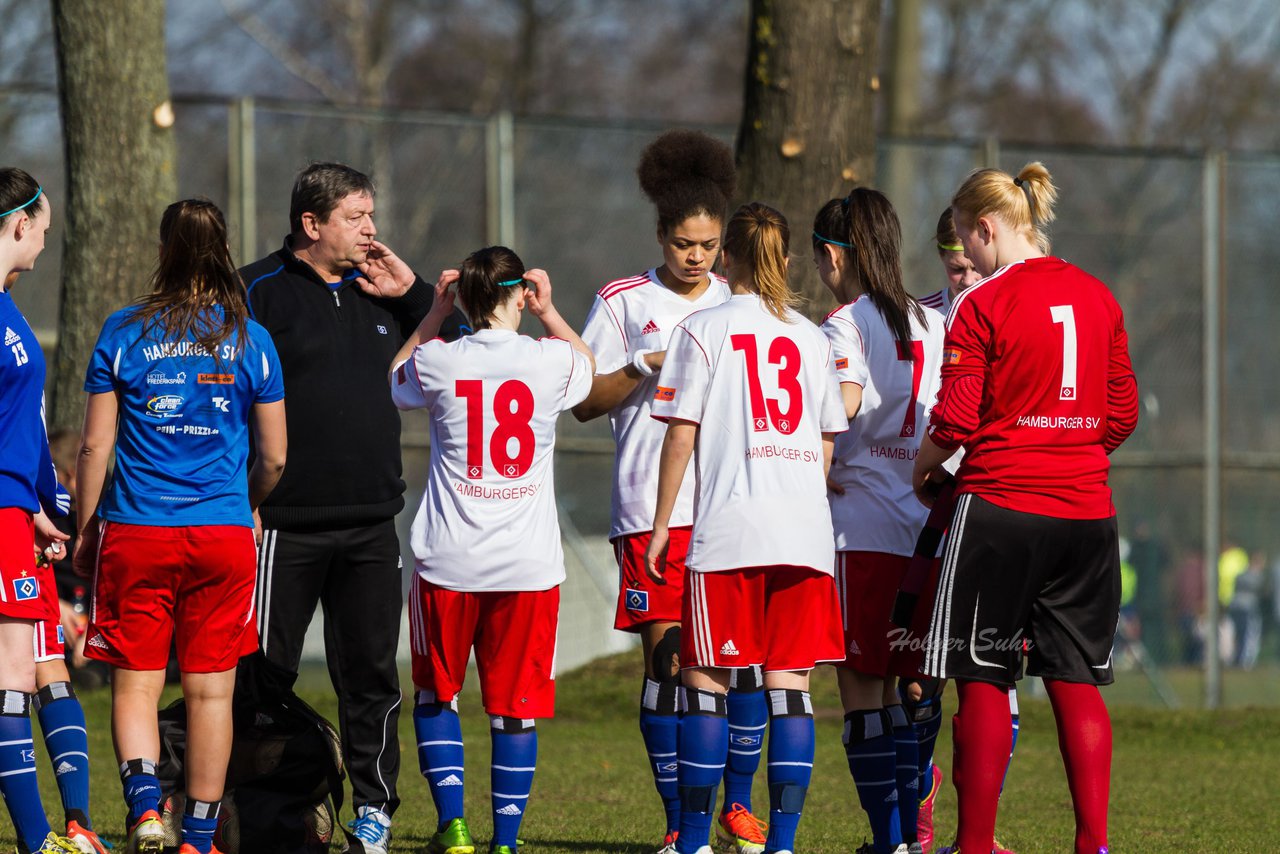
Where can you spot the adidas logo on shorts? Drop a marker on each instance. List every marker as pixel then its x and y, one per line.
pixel 451 780
pixel 728 648
pixel 11 337
pixel 97 641
pixel 65 768
pixel 650 328
pixel 509 809
pixel 853 648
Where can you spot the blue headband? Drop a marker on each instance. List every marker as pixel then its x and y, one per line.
pixel 39 190
pixel 509 282
pixel 832 242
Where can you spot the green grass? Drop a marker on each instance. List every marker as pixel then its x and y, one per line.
pixel 1185 781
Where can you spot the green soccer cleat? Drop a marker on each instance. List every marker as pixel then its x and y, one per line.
pixel 502 849
pixel 454 839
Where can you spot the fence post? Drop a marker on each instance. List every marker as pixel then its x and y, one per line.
pixel 500 184
pixel 989 154
pixel 1213 237
pixel 242 174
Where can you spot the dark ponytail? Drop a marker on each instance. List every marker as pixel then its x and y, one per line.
pixel 488 278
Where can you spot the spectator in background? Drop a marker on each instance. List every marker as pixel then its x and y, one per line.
pixel 1190 587
pixel 1150 560
pixel 1245 610
pixel 338 304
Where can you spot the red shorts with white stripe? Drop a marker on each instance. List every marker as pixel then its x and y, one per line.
pixel 868 583
pixel 514 635
pixel 641 600
pixel 779 617
pixel 49 641
pixel 154 584
pixel 20 584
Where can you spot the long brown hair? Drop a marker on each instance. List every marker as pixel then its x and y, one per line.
pixel 757 236
pixel 488 278
pixel 871 240
pixel 195 274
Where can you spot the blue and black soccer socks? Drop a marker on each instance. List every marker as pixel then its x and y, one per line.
pixel 199 821
pixel 515 757
pixel 141 788
pixel 908 771
pixel 926 719
pixel 791 745
pixel 873 758
pixel 65 739
pixel 660 729
pixel 18 770
pixel 748 718
pixel 439 735
pixel 704 743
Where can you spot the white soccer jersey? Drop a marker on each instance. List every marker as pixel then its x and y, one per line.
pixel 488 515
pixel 633 314
pixel 763 391
pixel 874 459
pixel 939 301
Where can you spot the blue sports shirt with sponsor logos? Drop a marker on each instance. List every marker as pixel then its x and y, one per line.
pixel 27 478
pixel 182 443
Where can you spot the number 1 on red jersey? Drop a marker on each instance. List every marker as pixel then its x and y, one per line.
pixel 1066 315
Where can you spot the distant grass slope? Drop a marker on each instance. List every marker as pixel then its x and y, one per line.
pixel 1187 781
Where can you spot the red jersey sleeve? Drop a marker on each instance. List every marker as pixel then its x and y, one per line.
pixel 964 365
pixel 1122 392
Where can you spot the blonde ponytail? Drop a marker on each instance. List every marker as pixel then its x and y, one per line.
pixel 1024 202
pixel 758 236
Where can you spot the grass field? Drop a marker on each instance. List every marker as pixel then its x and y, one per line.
pixel 1184 781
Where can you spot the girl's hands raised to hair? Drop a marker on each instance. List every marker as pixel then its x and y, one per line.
pixel 538 297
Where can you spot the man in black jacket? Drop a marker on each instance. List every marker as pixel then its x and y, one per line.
pixel 338 304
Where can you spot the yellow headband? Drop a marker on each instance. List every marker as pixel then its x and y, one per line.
pixel 950 247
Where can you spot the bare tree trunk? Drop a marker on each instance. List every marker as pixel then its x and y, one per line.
pixel 807 130
pixel 120 156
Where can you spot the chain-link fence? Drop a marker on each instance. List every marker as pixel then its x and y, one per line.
pixel 1177 235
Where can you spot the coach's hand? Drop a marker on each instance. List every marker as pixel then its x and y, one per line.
pixel 385 275
pixel 655 557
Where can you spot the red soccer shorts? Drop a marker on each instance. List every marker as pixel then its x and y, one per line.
pixel 868 583
pixel 780 617
pixel 50 645
pixel 153 580
pixel 640 599
pixel 514 635
pixel 20 584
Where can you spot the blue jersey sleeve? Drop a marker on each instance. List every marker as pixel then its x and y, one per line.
pixel 102 374
pixel 270 377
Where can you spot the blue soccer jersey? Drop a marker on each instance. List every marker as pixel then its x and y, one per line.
pixel 182 443
pixel 27 479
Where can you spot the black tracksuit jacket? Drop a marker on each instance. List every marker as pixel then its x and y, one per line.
pixel 336 345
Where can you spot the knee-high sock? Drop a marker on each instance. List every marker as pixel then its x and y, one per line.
pixel 1084 736
pixel 748 717
pixel 908 771
pixel 65 739
pixel 18 770
pixel 515 758
pixel 981 732
pixel 1013 734
pixel 926 720
pixel 704 743
pixel 141 787
pixel 660 729
pixel 873 759
pixel 791 744
pixel 439 734
pixel 199 823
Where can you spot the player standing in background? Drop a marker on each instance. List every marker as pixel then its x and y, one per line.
pixel 689 177
pixel 749 388
pixel 1038 387
pixel 959 269
pixel 486 538
pixel 28 493
pixel 175 383
pixel 888 351
pixel 922 695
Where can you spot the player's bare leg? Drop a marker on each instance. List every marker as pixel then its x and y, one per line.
pixel 660 714
pixel 135 732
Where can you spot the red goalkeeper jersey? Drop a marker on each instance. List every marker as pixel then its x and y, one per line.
pixel 1038 387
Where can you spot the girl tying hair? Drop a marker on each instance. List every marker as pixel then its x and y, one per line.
pixel 748 389
pixel 486 539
